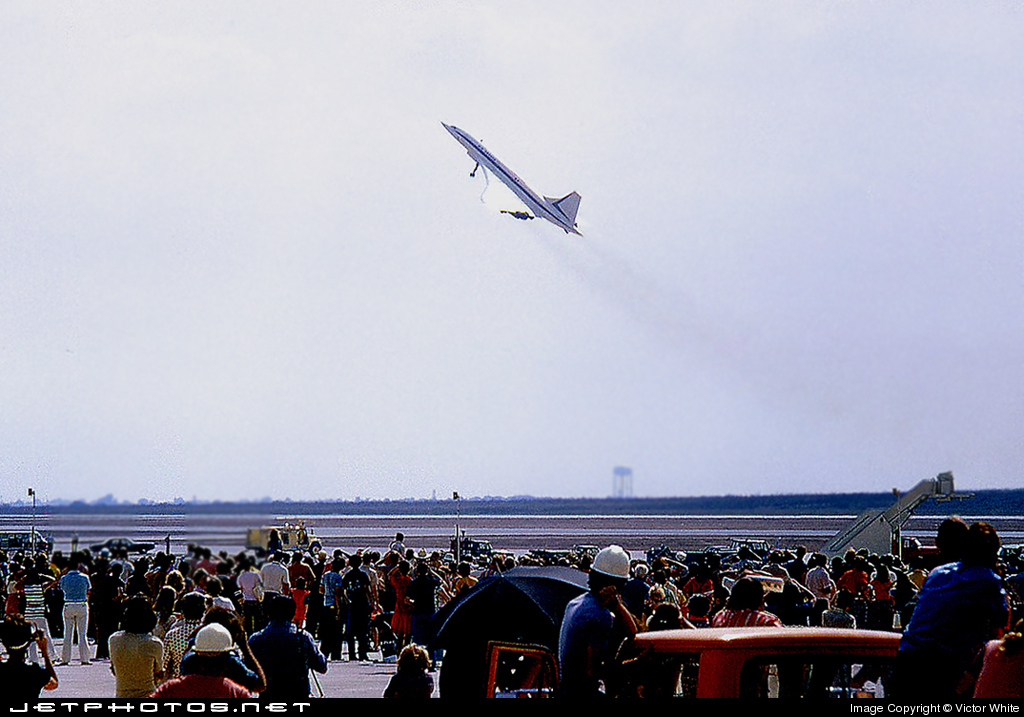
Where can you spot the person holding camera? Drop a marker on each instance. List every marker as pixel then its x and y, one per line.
pixel 24 680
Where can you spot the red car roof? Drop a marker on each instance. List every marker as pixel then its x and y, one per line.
pixel 774 638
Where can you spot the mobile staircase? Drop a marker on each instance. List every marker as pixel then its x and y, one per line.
pixel 879 530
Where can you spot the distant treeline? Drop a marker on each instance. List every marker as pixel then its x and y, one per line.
pixel 982 502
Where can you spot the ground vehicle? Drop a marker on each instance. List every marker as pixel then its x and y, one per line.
pixel 757 662
pixel 740 549
pixel 549 557
pixel 663 551
pixel 292 536
pixel 580 551
pixel 515 670
pixel 728 662
pixel 472 548
pixel 13 540
pixel 116 545
pixel 912 551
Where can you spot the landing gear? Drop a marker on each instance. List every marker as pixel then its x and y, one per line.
pixel 518 215
pixel 473 173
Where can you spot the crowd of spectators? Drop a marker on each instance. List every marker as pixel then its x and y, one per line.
pixel 283 616
pixel 954 607
pixel 279 615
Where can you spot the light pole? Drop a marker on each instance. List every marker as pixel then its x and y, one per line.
pixel 32 528
pixel 458 518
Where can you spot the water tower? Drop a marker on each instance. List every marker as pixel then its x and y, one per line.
pixel 622 482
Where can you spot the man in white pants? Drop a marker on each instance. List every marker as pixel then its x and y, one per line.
pixel 75 586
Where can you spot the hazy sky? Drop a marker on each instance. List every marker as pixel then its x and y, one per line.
pixel 241 257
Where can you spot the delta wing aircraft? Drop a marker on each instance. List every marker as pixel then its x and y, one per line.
pixel 560 212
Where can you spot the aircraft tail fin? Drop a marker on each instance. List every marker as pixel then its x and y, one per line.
pixel 567 205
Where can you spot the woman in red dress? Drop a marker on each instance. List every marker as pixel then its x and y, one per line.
pixel 401 620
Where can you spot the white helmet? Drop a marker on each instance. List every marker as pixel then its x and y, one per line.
pixel 213 638
pixel 613 561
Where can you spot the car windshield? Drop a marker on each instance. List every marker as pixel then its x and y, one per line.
pixel 814 677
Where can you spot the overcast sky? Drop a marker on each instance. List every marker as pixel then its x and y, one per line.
pixel 241 257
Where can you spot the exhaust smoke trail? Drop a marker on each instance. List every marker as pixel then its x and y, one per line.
pixel 722 344
pixel 674 316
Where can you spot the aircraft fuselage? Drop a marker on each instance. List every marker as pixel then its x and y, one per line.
pixel 560 212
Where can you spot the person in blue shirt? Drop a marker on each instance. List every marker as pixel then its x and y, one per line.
pixel 75 585
pixel 960 607
pixel 594 625
pixel 636 591
pixel 285 652
pixel 333 616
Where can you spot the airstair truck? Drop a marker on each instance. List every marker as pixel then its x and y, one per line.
pixel 879 530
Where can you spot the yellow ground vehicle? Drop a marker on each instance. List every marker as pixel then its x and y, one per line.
pixel 290 537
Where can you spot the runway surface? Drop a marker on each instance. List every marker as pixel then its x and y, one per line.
pixel 517 533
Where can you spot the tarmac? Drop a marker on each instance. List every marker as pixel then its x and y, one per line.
pixel 344 679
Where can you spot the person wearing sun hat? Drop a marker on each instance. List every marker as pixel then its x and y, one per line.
pixel 207 681
pixel 21 679
pixel 594 625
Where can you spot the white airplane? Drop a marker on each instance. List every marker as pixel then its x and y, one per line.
pixel 560 212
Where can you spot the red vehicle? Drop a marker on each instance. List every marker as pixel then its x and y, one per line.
pixel 758 662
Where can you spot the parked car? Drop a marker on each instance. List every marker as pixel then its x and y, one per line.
pixel 673 557
pixel 757 662
pixel 754 662
pixel 472 548
pixel 14 540
pixel 115 545
pixel 549 557
pixel 580 551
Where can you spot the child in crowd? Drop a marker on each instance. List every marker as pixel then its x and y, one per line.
pixel 300 594
pixel 666 617
pixel 699 609
pixel 465 581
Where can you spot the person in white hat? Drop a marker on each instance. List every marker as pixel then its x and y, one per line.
pixel 212 642
pixel 594 625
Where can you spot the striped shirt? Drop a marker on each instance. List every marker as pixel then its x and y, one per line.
pixel 744 618
pixel 34 605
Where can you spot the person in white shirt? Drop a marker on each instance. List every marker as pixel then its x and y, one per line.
pixel 275 575
pixel 818 580
pixel 215 590
pixel 250 584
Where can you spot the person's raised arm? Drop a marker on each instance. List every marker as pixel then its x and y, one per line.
pixel 40 639
pixel 250 659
